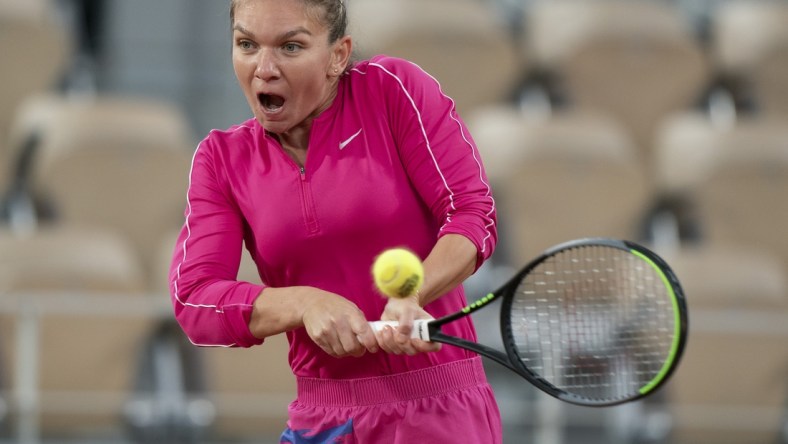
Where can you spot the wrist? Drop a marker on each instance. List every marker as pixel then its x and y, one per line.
pixel 303 302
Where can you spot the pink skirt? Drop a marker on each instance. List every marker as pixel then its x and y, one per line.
pixel 447 403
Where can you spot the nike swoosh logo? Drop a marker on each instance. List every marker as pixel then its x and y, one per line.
pixel 342 145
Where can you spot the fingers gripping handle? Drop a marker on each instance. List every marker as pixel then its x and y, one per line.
pixel 420 330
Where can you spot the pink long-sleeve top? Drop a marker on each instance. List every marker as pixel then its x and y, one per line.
pixel 389 163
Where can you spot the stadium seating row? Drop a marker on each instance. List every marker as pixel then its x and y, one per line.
pixel 636 60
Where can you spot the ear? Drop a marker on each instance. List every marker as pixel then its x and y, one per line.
pixel 340 55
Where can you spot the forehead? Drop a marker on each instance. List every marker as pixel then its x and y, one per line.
pixel 279 13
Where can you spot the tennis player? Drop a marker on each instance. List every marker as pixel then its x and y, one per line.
pixel 340 161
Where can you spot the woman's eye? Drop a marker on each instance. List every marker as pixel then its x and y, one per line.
pixel 291 47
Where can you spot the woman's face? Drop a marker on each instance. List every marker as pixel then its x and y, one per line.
pixel 284 62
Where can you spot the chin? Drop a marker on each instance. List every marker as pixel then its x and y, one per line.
pixel 272 127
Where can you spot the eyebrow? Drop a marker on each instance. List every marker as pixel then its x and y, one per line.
pixel 285 36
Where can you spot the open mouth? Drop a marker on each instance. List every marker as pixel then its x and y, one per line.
pixel 271 102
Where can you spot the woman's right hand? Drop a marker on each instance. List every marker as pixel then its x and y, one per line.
pixel 337 325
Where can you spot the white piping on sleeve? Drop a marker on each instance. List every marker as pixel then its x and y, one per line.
pixel 175 292
pixel 177 278
pixel 490 221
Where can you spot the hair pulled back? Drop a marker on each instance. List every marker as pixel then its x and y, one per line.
pixel 332 14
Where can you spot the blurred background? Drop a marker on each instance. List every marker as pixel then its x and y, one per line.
pixel 660 121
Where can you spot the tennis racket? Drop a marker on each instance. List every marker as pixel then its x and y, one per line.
pixel 593 322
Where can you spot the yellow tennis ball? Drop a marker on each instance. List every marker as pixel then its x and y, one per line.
pixel 398 273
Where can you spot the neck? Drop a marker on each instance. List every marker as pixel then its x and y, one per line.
pixel 297 139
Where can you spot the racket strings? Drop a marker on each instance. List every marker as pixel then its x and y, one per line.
pixel 595 321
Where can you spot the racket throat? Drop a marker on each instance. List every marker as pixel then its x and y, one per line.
pixel 487 352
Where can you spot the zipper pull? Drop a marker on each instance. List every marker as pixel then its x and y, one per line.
pixel 302 170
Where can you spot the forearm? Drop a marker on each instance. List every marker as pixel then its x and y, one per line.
pixel 451 261
pixel 334 323
pixel 278 310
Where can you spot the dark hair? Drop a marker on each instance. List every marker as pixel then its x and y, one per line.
pixel 334 16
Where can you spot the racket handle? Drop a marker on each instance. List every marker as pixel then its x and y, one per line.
pixel 420 330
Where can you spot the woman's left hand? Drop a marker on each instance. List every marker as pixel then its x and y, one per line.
pixel 398 340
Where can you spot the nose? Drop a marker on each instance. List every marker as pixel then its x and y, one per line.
pixel 267 67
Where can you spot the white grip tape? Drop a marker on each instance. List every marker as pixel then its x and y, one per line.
pixel 420 330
